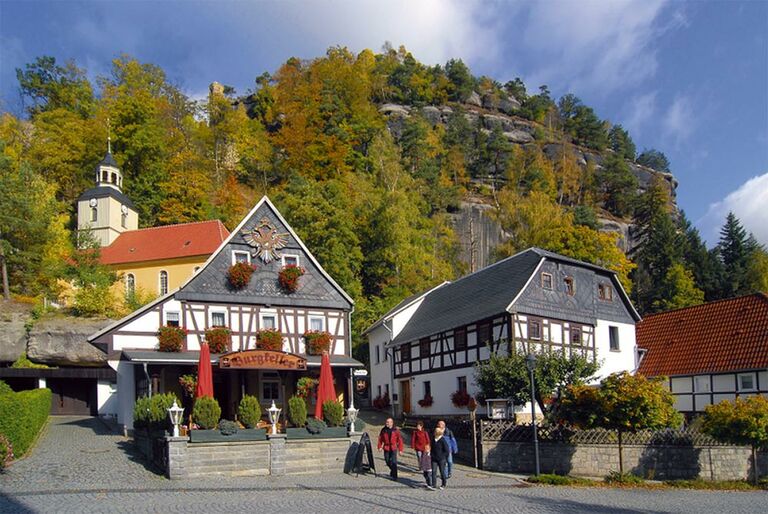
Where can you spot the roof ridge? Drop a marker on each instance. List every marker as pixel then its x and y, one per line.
pixel 217 221
pixel 758 294
pixel 505 259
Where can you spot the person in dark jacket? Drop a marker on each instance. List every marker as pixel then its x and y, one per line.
pixel 391 442
pixel 448 434
pixel 420 443
pixel 440 451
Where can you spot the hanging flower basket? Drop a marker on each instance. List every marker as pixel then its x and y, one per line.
pixel 289 277
pixel 239 274
pixel 305 387
pixel 171 339
pixel 219 339
pixel 427 401
pixel 188 384
pixel 317 342
pixel 269 339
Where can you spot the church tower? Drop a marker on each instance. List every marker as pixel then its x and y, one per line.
pixel 105 209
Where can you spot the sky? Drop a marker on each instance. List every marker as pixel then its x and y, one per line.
pixel 689 78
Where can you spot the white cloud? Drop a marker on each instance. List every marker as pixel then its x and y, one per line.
pixel 641 110
pixel 680 120
pixel 748 203
pixel 596 45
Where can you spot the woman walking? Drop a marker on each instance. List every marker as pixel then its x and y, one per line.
pixel 420 443
pixel 440 450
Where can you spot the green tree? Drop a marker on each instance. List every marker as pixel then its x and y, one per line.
pixel 679 290
pixel 461 80
pixel 619 186
pixel 653 159
pixel 49 86
pixel 624 403
pixel 622 143
pixel 582 123
pixel 742 421
pixel 735 249
pixel 703 263
pixel 92 280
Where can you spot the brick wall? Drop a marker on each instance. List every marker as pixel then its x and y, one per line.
pixel 595 460
pixel 315 456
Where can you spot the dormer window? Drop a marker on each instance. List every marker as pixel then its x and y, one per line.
pixel 605 292
pixel 570 287
pixel 546 281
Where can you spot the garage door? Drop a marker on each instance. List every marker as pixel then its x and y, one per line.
pixel 73 396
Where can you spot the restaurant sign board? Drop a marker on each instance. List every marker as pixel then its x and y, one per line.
pixel 262 359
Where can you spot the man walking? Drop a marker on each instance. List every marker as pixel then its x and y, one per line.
pixel 391 442
pixel 452 443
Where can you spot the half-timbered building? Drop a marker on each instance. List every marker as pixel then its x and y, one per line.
pixel 265 240
pixel 533 301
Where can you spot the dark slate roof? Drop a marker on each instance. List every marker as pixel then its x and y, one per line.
pixel 105 191
pixel 399 306
pixel 337 361
pixel 477 296
pixel 108 160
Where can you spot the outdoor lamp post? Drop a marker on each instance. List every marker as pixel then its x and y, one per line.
pixel 352 416
pixel 530 362
pixel 274 416
pixel 175 412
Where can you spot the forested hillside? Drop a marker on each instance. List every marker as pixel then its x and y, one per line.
pixel 371 158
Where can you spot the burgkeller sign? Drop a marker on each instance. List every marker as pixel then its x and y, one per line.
pixel 262 359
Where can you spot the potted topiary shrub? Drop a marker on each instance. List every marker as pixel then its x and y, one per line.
pixel 288 277
pixel 219 339
pixel 317 342
pixel 249 411
pixel 206 413
pixel 239 274
pixel 297 412
pixel 269 339
pixel 171 339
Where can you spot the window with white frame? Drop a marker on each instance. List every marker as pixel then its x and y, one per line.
pixel 462 383
pixel 268 321
pixel 747 382
pixel 130 284
pixel 163 286
pixel 290 260
pixel 546 281
pixel 172 319
pixel 613 337
pixel 241 257
pixel 317 323
pixel 701 384
pixel 218 319
pixel 575 336
pixel 270 387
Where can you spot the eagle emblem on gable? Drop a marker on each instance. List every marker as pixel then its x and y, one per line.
pixel 265 240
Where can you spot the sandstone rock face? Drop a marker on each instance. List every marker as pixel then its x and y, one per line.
pixel 432 114
pixel 509 105
pixel 62 341
pixel 13 335
pixel 396 109
pixel 478 234
pixel 474 99
pixel 518 136
pixel 624 230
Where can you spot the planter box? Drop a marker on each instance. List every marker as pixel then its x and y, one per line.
pixel 215 436
pixel 328 433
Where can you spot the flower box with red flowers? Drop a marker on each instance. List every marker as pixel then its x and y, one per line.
pixel 219 339
pixel 289 277
pixel 239 274
pixel 269 339
pixel 425 402
pixel 460 398
pixel 317 342
pixel 171 339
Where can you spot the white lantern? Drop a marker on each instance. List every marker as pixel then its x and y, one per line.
pixel 274 416
pixel 352 417
pixel 175 412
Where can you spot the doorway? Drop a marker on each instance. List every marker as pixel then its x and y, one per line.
pixel 405 395
pixel 73 396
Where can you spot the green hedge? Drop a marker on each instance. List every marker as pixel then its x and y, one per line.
pixel 22 416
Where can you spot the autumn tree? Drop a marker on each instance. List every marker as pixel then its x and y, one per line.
pixel 49 86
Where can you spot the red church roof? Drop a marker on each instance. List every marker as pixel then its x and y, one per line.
pixel 720 336
pixel 200 238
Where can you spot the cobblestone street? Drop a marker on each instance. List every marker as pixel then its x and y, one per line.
pixel 79 466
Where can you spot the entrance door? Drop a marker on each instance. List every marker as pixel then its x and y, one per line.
pixel 405 395
pixel 73 396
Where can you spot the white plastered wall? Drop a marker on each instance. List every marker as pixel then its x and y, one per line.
pixel 612 361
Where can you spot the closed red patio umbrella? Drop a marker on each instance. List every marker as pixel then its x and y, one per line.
pixel 325 390
pixel 204 373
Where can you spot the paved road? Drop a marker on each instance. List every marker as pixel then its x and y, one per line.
pixel 79 466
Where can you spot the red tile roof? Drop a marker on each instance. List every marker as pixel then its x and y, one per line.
pixel 200 238
pixel 720 336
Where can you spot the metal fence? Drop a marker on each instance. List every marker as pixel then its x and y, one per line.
pixel 508 431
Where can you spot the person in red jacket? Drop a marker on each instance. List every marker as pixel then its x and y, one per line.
pixel 420 443
pixel 391 442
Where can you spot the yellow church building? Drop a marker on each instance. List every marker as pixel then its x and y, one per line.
pixel 153 260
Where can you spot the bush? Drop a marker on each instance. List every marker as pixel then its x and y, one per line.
pixel 269 339
pixel 333 413
pixel 289 277
pixel 239 274
pixel 5 388
pixel 23 362
pixel 22 416
pixel 141 412
pixel 152 413
pixel 316 426
pixel 206 412
pixel 6 452
pixel 297 411
pixel 219 339
pixel 249 411
pixel 171 339
pixel 551 479
pixel 227 427
pixel 317 342
pixel 615 477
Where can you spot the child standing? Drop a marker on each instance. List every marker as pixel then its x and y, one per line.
pixel 420 443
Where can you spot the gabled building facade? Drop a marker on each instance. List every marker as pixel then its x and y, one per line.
pixel 265 240
pixel 710 352
pixel 533 301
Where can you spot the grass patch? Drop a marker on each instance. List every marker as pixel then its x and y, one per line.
pixel 718 485
pixel 616 478
pixel 550 479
